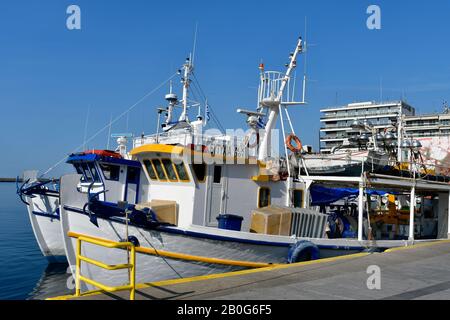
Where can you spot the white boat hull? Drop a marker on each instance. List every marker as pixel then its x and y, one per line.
pixel 151 267
pixel 194 240
pixel 43 211
pixel 345 164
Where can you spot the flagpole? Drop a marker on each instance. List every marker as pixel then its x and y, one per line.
pixel 206 112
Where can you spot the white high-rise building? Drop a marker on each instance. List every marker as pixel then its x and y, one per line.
pixel 428 125
pixel 336 121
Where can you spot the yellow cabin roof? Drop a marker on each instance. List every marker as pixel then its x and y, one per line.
pixel 178 150
pixel 161 148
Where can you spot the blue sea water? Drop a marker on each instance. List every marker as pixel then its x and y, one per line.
pixel 24 272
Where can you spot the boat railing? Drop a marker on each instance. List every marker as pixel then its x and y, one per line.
pixel 226 145
pixel 131 265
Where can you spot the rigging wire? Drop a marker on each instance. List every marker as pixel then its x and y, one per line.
pixel 211 111
pixel 202 93
pixel 112 122
pixel 164 259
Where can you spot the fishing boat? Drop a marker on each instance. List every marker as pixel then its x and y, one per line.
pixel 42 198
pixel 42 201
pixel 195 201
pixel 367 150
pixel 346 164
pixel 209 203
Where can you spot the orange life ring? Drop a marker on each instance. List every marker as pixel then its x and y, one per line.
pixel 297 141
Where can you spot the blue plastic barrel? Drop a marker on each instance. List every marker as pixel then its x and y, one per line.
pixel 230 222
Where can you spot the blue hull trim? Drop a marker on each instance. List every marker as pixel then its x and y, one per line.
pixel 215 237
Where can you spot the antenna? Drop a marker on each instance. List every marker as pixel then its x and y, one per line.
pixel 195 42
pixel 109 132
pixel 305 62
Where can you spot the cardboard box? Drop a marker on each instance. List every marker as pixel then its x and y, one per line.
pixel 271 220
pixel 165 210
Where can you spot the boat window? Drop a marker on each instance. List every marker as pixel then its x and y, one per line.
pixel 181 171
pixel 94 172
pixel 78 169
pixel 169 169
pixel 298 198
pixel 200 171
pixel 217 174
pixel 150 170
pixel 159 169
pixel 263 197
pixel 87 173
pixel 111 172
pixel 133 175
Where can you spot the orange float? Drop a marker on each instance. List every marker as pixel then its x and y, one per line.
pixel 298 144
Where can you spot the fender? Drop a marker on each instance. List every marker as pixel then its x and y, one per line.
pixel 303 250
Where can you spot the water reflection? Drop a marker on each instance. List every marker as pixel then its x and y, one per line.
pixel 54 281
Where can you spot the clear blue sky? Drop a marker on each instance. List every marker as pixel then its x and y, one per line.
pixel 49 76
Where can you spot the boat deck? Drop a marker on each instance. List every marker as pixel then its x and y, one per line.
pixel 416 272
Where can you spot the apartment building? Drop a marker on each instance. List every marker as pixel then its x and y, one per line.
pixel 336 121
pixel 428 125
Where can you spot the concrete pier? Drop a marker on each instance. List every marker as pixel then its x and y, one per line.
pixel 417 272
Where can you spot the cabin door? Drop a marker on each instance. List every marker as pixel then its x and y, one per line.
pixel 132 183
pixel 217 194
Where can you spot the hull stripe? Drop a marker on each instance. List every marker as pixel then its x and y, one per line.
pixel 220 238
pixel 182 256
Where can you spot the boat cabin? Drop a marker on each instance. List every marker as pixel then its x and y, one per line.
pixel 103 170
pixel 205 185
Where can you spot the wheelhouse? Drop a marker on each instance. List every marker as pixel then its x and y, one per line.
pixel 118 179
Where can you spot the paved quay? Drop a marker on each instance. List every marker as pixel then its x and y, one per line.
pixel 418 272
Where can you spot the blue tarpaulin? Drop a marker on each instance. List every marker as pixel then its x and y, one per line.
pixel 321 195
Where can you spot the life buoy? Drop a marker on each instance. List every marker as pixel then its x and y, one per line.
pixel 290 146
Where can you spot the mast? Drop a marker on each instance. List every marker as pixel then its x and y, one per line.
pixel 273 86
pixel 273 103
pixel 188 68
pixel 291 67
pixel 172 99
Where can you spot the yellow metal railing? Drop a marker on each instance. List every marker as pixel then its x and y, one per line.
pixel 183 256
pixel 131 266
